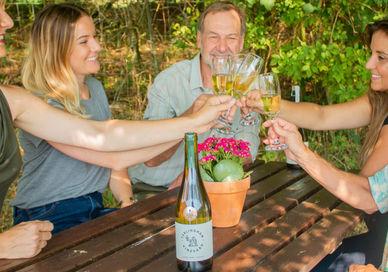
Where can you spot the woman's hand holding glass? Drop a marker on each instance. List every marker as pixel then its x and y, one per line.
pixel 281 132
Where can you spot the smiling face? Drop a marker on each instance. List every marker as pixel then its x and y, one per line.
pixel 221 34
pixel 378 61
pixel 5 23
pixel 85 49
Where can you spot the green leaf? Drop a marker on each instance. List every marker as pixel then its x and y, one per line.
pixel 268 4
pixel 308 8
pixel 228 170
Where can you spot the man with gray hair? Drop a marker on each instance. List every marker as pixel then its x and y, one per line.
pixel 186 85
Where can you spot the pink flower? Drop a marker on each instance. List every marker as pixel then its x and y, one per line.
pixel 208 158
pixel 222 148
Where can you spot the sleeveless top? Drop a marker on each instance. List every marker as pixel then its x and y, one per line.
pixel 10 159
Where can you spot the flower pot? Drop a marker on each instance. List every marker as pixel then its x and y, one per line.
pixel 227 201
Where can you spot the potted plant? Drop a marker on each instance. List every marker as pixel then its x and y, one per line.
pixel 226 182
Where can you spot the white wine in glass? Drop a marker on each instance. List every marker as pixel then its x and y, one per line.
pixel 222 84
pixel 269 88
pixel 242 83
pixel 246 68
pixel 271 105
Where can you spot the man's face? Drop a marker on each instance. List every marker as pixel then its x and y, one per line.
pixel 221 34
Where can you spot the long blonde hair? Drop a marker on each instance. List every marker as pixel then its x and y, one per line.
pixel 47 71
pixel 378 101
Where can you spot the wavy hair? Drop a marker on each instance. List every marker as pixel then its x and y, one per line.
pixel 378 101
pixel 47 71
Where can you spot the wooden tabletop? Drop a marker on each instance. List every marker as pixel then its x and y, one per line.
pixel 289 223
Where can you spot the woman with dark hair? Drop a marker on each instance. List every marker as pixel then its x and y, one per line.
pixel 370 194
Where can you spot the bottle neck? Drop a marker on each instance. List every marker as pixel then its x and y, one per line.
pixel 191 158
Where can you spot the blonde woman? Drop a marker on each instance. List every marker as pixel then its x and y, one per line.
pixel 25 111
pixel 53 186
pixel 371 109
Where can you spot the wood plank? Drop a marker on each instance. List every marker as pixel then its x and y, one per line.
pixel 136 256
pixel 162 246
pixel 251 222
pixel 271 185
pixel 308 249
pixel 254 164
pixel 262 171
pixel 274 236
pixel 94 249
pixel 94 253
pixel 88 230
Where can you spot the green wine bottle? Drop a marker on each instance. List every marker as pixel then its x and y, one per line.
pixel 193 223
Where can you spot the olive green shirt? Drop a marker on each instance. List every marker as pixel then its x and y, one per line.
pixel 10 159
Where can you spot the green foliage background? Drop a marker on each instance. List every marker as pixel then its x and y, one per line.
pixel 318 44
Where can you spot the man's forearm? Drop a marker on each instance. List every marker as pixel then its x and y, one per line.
pixel 162 157
pixel 121 187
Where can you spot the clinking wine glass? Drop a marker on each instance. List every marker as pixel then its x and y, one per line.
pixel 246 68
pixel 269 88
pixel 222 84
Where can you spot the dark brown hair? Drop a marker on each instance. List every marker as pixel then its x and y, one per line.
pixel 377 100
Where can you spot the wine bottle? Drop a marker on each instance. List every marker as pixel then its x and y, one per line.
pixel 193 223
pixel 296 93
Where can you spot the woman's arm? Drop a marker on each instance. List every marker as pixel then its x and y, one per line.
pixel 42 120
pixel 353 114
pixel 350 188
pixel 114 160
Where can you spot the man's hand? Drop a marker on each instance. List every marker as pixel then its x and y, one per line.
pixel 25 240
pixel 197 104
pixel 207 115
pixel 363 268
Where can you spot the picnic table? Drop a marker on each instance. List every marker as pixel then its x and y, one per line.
pixel 289 223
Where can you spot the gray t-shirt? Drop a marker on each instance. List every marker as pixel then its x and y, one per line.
pixel 49 175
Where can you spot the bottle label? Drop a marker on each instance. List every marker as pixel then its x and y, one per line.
pixel 194 242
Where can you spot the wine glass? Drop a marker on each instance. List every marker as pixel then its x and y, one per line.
pixel 222 84
pixel 245 69
pixel 269 88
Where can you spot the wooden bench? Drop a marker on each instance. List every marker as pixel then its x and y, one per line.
pixel 289 223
